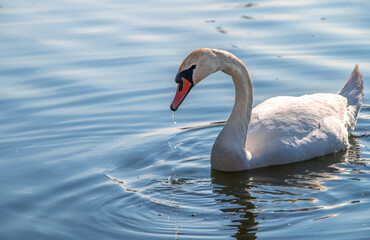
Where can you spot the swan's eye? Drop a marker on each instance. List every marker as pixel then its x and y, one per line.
pixel 193 66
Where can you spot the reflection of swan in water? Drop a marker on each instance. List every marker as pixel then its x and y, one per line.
pixel 241 189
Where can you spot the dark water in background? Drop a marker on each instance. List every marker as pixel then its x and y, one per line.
pixel 88 146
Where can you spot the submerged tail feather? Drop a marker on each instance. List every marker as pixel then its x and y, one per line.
pixel 353 90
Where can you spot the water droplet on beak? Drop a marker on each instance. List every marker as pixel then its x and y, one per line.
pixel 173 117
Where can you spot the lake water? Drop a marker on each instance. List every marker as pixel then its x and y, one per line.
pixel 89 148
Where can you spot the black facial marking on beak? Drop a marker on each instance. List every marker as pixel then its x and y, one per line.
pixel 185 84
pixel 187 74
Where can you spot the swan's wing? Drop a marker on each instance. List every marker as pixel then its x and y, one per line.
pixel 290 129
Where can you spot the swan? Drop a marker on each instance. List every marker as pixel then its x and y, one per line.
pixel 278 131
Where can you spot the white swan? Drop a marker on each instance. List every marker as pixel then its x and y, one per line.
pixel 280 130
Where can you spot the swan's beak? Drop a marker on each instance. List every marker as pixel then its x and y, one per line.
pixel 183 88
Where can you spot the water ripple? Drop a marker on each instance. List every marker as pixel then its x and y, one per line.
pixel 88 144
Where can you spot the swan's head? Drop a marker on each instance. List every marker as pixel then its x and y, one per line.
pixel 195 67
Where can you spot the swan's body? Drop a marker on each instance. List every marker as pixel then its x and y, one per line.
pixel 278 131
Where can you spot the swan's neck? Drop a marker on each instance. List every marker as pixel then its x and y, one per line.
pixel 229 152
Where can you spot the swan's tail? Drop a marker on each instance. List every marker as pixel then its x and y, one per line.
pixel 353 90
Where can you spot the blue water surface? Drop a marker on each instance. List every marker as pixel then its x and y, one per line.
pixel 89 148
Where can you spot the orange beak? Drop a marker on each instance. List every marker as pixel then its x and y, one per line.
pixel 183 88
